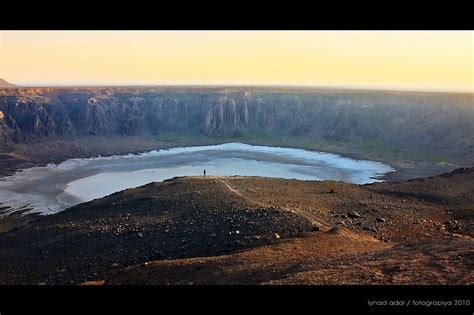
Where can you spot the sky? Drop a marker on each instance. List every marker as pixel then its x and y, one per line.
pixel 406 60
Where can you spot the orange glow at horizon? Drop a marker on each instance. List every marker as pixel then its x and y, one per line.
pixel 413 60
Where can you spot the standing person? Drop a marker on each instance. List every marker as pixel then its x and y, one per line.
pixel 204 173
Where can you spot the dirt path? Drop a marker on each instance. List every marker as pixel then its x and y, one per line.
pixel 311 217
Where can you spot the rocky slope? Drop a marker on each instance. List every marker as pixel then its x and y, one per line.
pixel 428 125
pixel 269 231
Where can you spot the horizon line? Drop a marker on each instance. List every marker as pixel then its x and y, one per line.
pixel 316 86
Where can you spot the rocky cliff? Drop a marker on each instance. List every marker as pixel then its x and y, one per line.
pixel 424 122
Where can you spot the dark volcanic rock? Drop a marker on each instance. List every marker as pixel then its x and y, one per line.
pixel 166 220
pixel 212 216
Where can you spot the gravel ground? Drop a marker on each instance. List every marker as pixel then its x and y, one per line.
pixel 282 224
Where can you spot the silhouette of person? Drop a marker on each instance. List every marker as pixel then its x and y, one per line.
pixel 204 173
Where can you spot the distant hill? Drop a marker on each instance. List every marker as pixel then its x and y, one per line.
pixel 5 84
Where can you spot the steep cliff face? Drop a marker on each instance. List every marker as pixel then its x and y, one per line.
pixel 227 115
pixel 434 123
